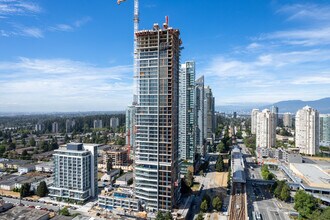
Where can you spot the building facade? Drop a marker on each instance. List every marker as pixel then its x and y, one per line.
pixel 200 116
pixel 187 118
pixel 54 127
pixel 69 125
pixel 325 129
pixel 75 172
pixel 266 129
pixel 254 115
pixel 287 120
pixel 274 110
pixel 98 124
pixel 130 129
pixel 307 130
pixel 114 123
pixel 156 172
pixel 209 126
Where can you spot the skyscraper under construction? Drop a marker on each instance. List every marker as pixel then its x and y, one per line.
pixel 156 169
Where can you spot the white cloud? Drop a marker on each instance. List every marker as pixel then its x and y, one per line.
pixel 63 85
pixel 304 37
pixel 31 32
pixel 307 12
pixel 18 7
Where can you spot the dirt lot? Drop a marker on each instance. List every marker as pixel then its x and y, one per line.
pixel 221 179
pixel 9 193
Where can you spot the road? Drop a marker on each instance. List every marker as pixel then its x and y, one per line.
pixel 259 197
pixel 28 203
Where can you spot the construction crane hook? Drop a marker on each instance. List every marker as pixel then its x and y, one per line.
pixel 120 1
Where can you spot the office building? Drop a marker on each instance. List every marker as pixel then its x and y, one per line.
pixel 254 115
pixel 114 123
pixel 307 130
pixel 54 127
pixel 98 124
pixel 200 116
pixel 130 129
pixel 266 129
pixel 325 129
pixel 156 153
pixel 75 172
pixel 287 120
pixel 187 118
pixel 274 110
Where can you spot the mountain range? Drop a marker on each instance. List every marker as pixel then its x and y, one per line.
pixel 322 105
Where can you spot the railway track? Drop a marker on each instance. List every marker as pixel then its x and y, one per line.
pixel 237 204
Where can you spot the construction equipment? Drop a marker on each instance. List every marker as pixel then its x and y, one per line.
pixel 136 29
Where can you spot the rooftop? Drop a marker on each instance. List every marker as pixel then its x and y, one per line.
pixel 312 174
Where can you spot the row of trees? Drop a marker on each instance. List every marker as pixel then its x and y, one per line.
pixel 25 190
pixel 266 174
pixel 220 165
pixel 309 208
pixel 281 190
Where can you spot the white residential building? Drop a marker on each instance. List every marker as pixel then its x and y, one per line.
pixel 98 124
pixel 287 120
pixel 307 130
pixel 325 129
pixel 266 129
pixel 114 123
pixel 55 127
pixel 254 115
pixel 75 172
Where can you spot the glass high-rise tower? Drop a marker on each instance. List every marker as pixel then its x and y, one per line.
pixel 187 118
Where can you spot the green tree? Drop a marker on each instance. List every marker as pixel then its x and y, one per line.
pixel 200 216
pixel 278 188
pixel 204 206
pixel 24 142
pixel 109 163
pixel 285 193
pixel 25 190
pixel 217 203
pixel 65 211
pixel 305 204
pixel 189 178
pixel 266 174
pixel 323 214
pixel 2 150
pixel 32 142
pixel 221 147
pixel 42 189
pixel 168 216
pixel 220 166
pixel 160 216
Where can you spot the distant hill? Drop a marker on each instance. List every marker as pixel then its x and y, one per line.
pixel 322 105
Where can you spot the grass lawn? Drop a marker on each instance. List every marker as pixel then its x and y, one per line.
pixel 195 186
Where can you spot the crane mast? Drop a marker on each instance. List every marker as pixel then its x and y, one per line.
pixel 136 29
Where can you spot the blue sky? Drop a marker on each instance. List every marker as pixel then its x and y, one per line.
pixel 59 55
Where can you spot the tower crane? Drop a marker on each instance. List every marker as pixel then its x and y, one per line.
pixel 136 29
